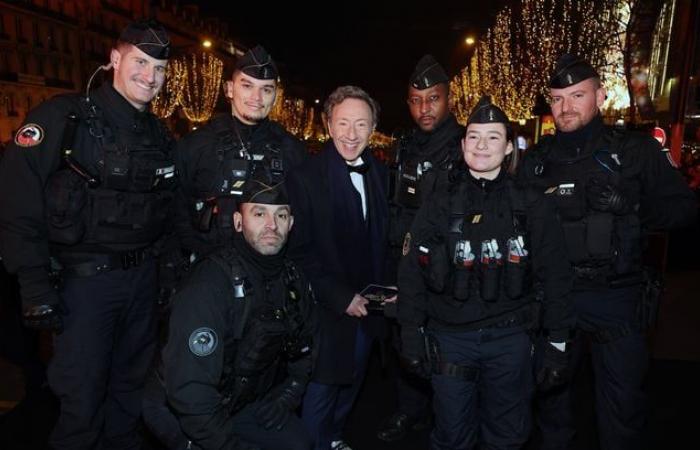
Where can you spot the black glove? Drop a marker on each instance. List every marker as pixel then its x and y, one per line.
pixel 555 368
pixel 413 358
pixel 279 404
pixel 605 197
pixel 41 305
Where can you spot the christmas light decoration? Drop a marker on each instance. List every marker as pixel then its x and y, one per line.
pixel 513 61
pixel 169 96
pixel 201 84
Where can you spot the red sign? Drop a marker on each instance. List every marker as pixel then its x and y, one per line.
pixel 660 135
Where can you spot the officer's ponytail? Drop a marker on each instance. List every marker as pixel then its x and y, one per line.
pixel 510 162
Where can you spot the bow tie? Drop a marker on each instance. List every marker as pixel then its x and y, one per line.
pixel 361 169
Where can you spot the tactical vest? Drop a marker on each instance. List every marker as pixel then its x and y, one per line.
pixel 485 255
pixel 598 243
pixel 416 178
pixel 126 200
pixel 256 346
pixel 238 161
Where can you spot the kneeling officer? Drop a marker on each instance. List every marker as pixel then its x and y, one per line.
pixel 238 355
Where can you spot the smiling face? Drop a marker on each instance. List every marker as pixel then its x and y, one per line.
pixel 350 125
pixel 428 107
pixel 575 106
pixel 137 76
pixel 251 99
pixel 485 146
pixel 264 227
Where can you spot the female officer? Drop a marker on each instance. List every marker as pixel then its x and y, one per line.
pixel 467 284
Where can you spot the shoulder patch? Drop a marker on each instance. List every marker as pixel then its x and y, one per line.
pixel 406 244
pixel 29 135
pixel 203 341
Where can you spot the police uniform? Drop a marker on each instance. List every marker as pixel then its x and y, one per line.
pixel 88 183
pixel 467 283
pixel 238 356
pixel 609 187
pixel 214 161
pixel 423 159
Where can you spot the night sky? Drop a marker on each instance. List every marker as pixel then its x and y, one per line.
pixel 374 45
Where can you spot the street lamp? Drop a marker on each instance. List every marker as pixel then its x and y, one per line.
pixel 206 43
pixel 469 41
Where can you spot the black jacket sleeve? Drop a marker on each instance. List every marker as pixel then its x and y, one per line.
pixel 190 159
pixel 413 295
pixel 192 380
pixel 667 202
pixel 300 369
pixel 24 172
pixel 551 266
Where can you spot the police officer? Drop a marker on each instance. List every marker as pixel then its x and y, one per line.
pixel 423 158
pixel 238 356
pixel 466 284
pixel 87 185
pixel 215 160
pixel 610 186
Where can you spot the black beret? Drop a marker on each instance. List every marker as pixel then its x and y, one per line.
pixel 428 73
pixel 487 112
pixel 148 36
pixel 570 70
pixel 257 191
pixel 257 63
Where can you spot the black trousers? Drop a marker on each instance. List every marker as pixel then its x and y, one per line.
pixel 412 392
pixel 619 366
pixel 101 358
pixel 493 410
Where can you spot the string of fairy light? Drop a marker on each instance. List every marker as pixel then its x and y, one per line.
pixel 513 60
pixel 193 82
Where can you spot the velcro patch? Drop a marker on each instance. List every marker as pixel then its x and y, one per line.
pixel 29 135
pixel 203 341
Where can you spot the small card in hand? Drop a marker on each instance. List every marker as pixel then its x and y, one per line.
pixel 377 294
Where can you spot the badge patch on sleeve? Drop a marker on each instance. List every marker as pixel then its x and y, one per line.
pixel 406 244
pixel 203 341
pixel 29 135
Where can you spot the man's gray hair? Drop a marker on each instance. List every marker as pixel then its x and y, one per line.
pixel 344 92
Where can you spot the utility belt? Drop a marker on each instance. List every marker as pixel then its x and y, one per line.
pixel 89 264
pixel 526 317
pixel 600 275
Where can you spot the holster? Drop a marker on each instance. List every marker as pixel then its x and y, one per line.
pixel 652 291
pixel 440 367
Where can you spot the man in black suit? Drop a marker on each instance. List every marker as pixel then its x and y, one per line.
pixel 341 237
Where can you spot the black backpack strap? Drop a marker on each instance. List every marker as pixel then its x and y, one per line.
pixel 541 154
pixel 224 136
pixel 517 204
pixel 230 264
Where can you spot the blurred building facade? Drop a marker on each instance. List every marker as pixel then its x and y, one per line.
pixel 48 47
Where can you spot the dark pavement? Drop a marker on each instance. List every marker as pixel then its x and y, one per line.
pixel 673 382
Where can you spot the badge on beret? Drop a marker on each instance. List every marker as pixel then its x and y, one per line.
pixel 406 244
pixel 29 135
pixel 203 341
